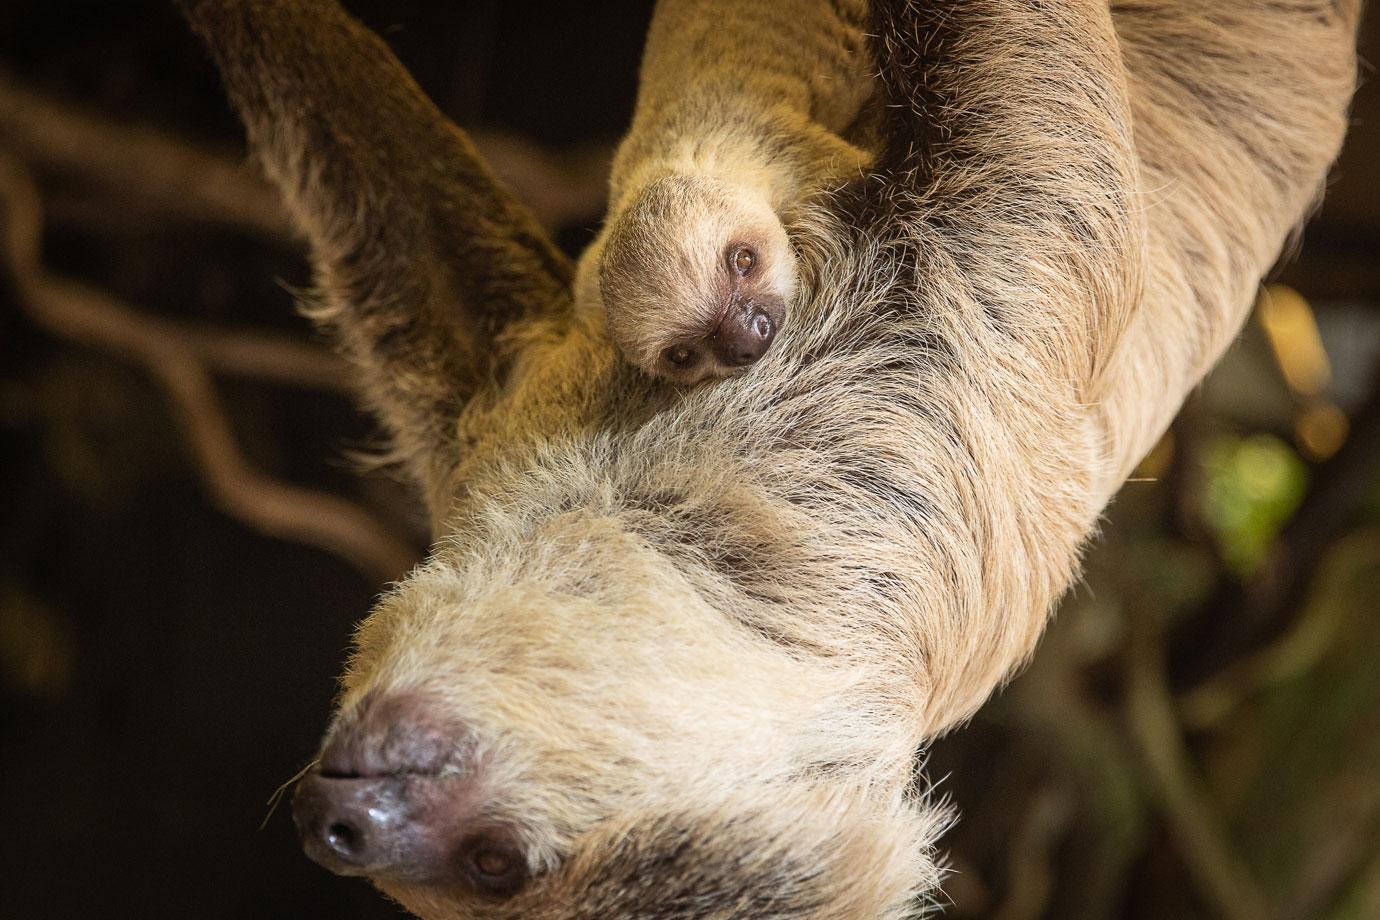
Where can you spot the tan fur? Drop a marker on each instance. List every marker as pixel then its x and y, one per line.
pixel 699 637
pixel 741 115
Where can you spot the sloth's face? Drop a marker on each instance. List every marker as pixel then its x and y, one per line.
pixel 696 279
pixel 603 746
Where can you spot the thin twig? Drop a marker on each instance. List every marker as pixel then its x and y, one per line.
pixel 79 314
pixel 149 169
pixel 1198 831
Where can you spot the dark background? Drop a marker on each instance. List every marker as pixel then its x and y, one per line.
pixel 1198 736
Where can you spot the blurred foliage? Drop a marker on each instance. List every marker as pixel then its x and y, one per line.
pixel 1253 486
pixel 1251 792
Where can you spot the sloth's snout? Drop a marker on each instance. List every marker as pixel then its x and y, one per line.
pixel 740 333
pixel 386 734
pixel 743 336
pixel 363 825
pixel 397 795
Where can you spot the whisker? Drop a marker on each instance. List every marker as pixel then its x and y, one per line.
pixel 281 791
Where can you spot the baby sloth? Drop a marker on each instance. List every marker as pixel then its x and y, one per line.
pixel 696 277
pixel 694 268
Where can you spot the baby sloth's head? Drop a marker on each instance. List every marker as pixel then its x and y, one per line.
pixel 695 277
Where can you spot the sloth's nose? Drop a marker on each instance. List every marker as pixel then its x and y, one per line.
pixel 743 337
pixel 365 826
pixel 391 796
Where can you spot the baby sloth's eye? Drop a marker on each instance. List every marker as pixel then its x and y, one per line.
pixel 679 355
pixel 742 260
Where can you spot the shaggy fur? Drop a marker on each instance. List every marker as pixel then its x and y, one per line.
pixel 699 637
pixel 742 110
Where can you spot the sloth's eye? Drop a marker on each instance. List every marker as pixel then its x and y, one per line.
pixel 679 355
pixel 494 866
pixel 742 260
pixel 492 863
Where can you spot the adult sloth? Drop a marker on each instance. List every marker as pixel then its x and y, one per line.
pixel 673 654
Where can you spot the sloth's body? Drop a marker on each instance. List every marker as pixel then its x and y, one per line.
pixel 737 123
pixel 673 653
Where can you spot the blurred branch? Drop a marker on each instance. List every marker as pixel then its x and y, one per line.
pixel 1238 617
pixel 257 356
pixel 1030 874
pixel 560 188
pixel 154 170
pixel 78 314
pixel 1199 833
pixel 179 179
pixel 148 168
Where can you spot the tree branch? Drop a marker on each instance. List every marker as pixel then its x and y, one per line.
pixel 79 314
pixel 154 170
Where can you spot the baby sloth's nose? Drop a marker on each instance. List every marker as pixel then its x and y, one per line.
pixel 393 798
pixel 742 337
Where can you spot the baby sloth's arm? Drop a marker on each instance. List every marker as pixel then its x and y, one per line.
pixel 741 115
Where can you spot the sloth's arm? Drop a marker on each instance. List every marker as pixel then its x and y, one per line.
pixel 1077 218
pixel 1239 107
pixel 1007 141
pixel 1113 180
pixel 738 85
pixel 420 256
pixel 807 55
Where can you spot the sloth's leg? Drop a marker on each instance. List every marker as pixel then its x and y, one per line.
pixel 1116 179
pixel 421 257
pixel 1239 107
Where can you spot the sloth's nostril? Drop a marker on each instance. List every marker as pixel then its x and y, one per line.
pixel 342 838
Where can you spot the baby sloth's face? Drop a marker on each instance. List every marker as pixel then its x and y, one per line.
pixel 695 278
